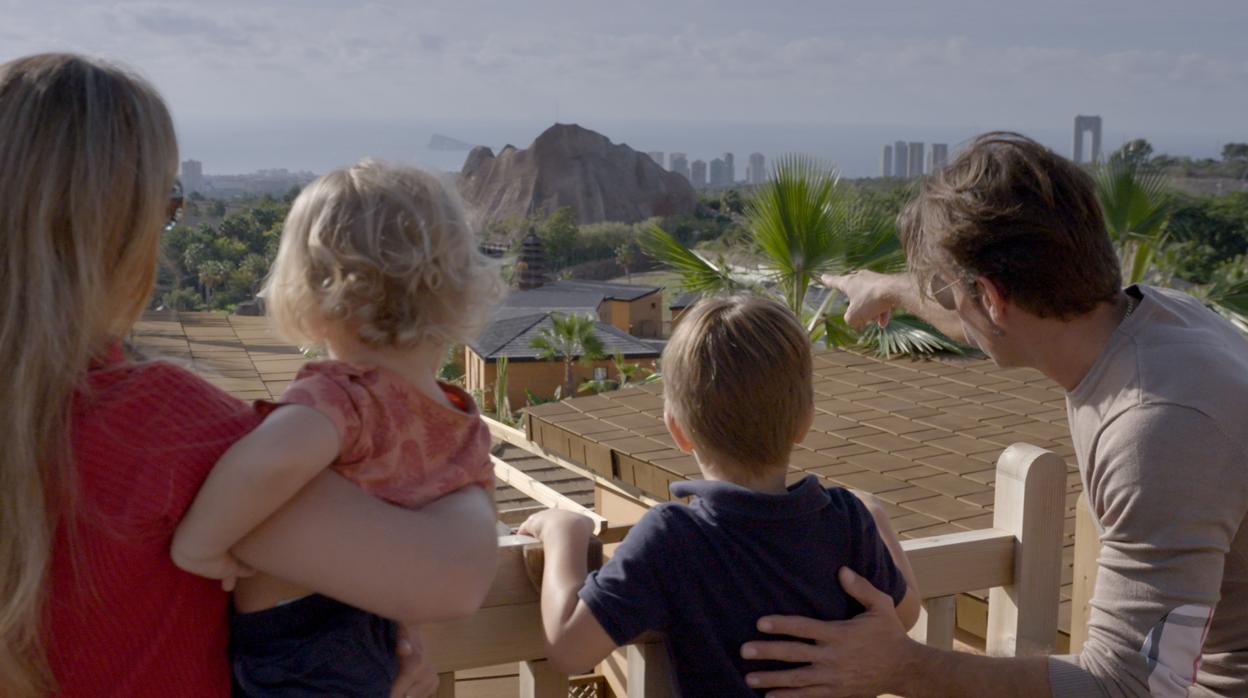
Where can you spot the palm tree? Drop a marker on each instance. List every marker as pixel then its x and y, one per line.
pixel 568 338
pixel 626 257
pixel 805 223
pixel 1227 295
pixel 1135 214
pixel 626 374
pixel 502 405
pixel 212 273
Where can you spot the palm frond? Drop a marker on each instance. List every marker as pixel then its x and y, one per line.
pixel 836 333
pixel 1228 298
pixel 1133 199
pixel 793 222
pixel 906 334
pixel 1136 213
pixel 546 346
pixel 592 348
pixel 696 273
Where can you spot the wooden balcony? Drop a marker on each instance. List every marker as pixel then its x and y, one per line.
pixel 1018 559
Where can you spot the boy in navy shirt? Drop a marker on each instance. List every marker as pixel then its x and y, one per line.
pixel 738 395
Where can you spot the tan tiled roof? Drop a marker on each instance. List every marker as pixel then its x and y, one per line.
pixel 921 435
pixel 237 354
pixel 242 356
pixel 515 506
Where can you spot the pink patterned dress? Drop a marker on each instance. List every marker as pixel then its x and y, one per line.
pixel 396 442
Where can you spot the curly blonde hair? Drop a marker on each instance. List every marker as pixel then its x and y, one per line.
pixel 385 252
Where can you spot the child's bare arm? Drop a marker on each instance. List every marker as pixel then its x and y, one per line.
pixel 575 640
pixel 253 479
pixel 908 609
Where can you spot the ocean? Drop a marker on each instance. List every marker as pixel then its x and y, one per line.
pixel 233 146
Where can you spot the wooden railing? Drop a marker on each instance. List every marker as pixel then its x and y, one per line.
pixel 1018 560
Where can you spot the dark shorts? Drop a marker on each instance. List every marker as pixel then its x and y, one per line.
pixel 313 646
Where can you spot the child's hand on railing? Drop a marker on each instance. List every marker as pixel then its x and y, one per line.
pixel 556 522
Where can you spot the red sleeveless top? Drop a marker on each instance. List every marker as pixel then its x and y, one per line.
pixel 123 621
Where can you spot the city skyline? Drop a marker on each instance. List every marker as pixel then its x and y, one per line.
pixel 971 64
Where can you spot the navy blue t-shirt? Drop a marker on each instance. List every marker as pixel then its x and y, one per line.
pixel 704 573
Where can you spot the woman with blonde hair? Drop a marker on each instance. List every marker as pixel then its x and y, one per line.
pixel 102 456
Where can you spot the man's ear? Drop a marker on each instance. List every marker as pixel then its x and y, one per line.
pixel 993 300
pixel 678 434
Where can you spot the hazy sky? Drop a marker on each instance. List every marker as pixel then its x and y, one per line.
pixel 1146 66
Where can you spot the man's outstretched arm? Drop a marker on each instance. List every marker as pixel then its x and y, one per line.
pixel 871 654
pixel 873 297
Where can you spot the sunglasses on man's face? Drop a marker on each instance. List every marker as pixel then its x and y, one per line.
pixel 942 291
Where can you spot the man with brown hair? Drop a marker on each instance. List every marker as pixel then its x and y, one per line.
pixel 1008 250
pixel 737 382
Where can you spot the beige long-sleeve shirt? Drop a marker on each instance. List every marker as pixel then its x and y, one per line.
pixel 1160 426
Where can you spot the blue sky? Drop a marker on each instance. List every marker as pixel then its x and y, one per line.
pixel 1147 67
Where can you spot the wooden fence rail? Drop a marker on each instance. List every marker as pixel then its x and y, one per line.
pixel 1018 559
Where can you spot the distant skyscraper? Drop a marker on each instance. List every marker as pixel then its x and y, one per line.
pixel 939 158
pixel 886 162
pixel 900 163
pixel 657 156
pixel 730 170
pixel 914 154
pixel 1083 124
pixel 699 174
pixel 192 176
pixel 679 163
pixel 756 171
pixel 719 173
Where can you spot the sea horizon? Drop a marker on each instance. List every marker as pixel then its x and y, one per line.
pixel 235 146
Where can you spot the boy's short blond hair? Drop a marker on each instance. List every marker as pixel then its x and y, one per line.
pixel 386 251
pixel 737 379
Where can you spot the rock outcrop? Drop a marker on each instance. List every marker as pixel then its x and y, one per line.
pixel 571 166
pixel 440 142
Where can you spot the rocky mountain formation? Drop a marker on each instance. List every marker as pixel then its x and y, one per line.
pixel 568 165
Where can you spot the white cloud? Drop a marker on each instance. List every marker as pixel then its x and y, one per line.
pixel 687 59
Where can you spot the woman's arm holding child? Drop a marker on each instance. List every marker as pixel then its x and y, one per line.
pixel 253 479
pixel 412 565
pixel 575 641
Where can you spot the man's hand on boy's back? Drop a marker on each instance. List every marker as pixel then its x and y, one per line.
pixel 871 654
pixel 852 657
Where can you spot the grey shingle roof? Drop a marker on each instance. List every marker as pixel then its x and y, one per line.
pixel 507 313
pixel 548 298
pixel 513 338
pixel 685 300
pixel 610 291
pixel 814 298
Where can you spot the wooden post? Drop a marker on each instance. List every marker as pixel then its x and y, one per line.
pixel 446 685
pixel 1087 548
pixel 1030 503
pixel 936 622
pixel 538 679
pixel 649 674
